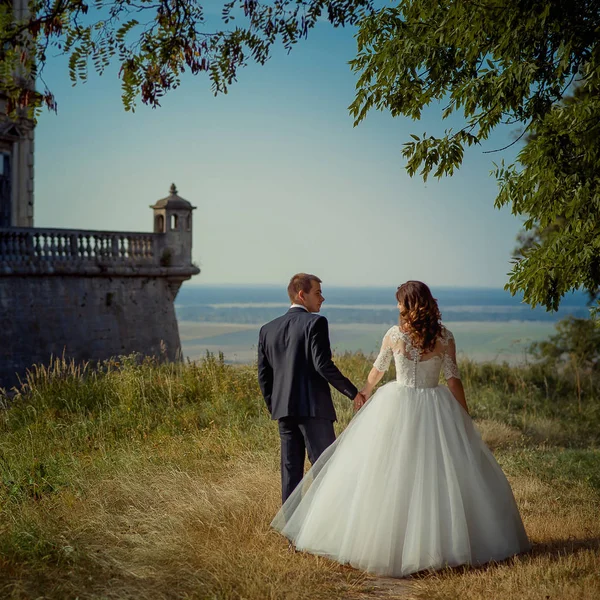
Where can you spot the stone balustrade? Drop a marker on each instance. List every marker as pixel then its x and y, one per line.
pixel 45 251
pixel 19 245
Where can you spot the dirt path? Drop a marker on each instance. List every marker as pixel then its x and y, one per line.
pixel 383 587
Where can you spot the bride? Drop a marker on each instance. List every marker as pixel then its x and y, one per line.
pixel 409 485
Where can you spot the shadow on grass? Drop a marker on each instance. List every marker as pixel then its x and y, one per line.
pixel 558 548
pixel 553 549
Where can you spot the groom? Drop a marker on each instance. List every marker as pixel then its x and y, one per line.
pixel 294 373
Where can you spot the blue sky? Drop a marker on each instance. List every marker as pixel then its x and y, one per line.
pixel 281 179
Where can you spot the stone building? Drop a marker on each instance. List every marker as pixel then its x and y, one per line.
pixel 91 294
pixel 16 161
pixel 82 294
pixel 16 174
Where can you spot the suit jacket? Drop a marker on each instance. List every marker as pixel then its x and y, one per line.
pixel 295 367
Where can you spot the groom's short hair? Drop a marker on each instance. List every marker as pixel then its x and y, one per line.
pixel 301 281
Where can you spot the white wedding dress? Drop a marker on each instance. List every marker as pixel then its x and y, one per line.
pixel 409 485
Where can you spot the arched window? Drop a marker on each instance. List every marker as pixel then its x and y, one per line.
pixel 188 223
pixel 159 224
pixel 174 222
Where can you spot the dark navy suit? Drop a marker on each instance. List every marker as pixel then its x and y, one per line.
pixel 294 373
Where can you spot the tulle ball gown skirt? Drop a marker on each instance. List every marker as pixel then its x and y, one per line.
pixel 408 486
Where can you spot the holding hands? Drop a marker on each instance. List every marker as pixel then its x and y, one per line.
pixel 362 397
pixel 367 391
pixel 359 400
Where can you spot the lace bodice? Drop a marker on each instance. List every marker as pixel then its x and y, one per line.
pixel 413 368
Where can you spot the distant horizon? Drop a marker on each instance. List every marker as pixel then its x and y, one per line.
pixel 373 297
pixel 192 283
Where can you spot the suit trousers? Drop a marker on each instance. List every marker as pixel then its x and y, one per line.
pixel 298 435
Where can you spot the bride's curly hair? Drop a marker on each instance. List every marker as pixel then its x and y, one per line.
pixel 419 314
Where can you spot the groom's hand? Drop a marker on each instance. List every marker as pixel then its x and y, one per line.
pixel 359 400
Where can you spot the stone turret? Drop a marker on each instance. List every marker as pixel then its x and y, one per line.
pixel 173 218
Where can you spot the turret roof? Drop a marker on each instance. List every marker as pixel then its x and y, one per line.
pixel 173 201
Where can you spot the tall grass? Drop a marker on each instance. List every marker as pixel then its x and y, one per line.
pixel 146 480
pixel 134 479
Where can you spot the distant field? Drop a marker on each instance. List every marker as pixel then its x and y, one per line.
pixel 237 341
pixel 478 340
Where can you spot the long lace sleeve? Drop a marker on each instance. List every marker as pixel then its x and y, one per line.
pixel 449 359
pixel 384 358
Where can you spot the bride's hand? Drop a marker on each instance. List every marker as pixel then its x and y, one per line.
pixel 365 393
pixel 359 400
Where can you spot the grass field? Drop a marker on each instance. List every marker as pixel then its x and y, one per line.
pixel 147 481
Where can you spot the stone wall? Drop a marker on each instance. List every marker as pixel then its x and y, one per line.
pixel 92 317
pixel 92 295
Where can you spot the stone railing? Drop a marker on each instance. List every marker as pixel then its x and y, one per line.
pixel 22 245
pixel 38 250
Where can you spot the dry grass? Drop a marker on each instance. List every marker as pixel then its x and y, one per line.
pixel 544 429
pixel 564 526
pixel 497 434
pixel 159 483
pixel 153 530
